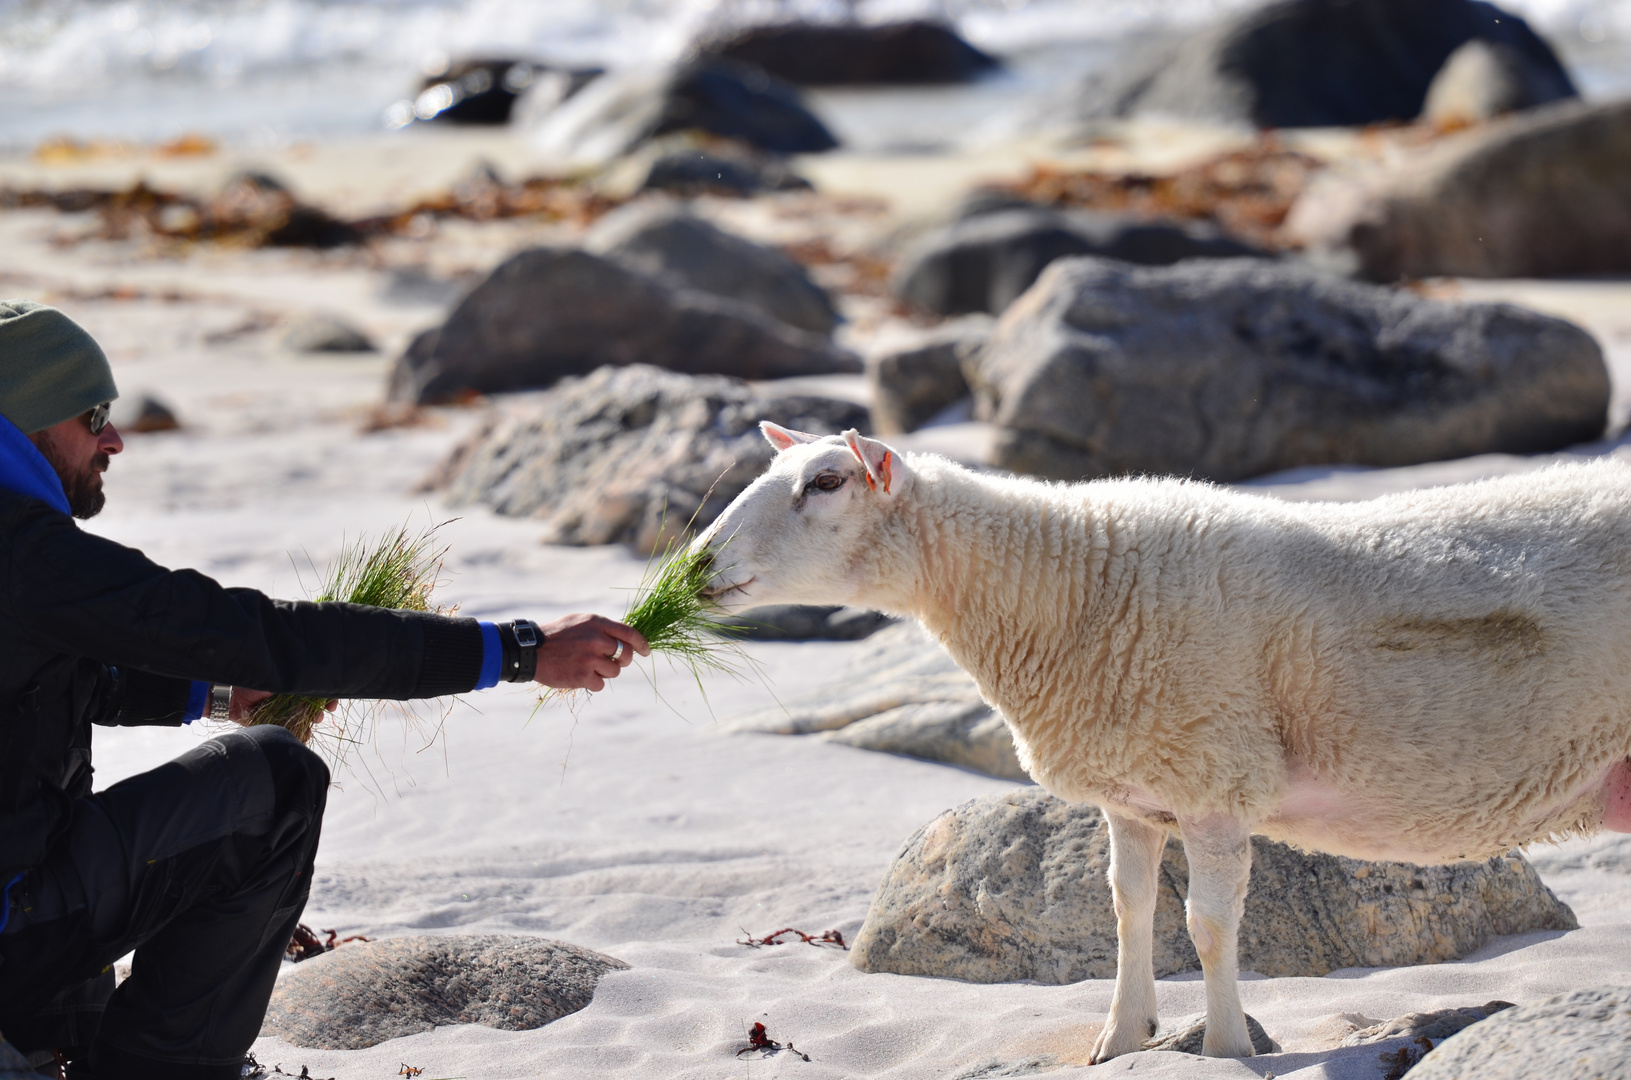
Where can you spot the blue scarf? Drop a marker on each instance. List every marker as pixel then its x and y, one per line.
pixel 23 469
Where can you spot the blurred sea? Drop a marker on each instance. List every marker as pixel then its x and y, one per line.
pixel 271 72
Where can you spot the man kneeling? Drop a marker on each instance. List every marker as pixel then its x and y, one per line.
pixel 203 865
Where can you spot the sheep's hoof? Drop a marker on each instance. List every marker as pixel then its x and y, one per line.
pixel 1117 1039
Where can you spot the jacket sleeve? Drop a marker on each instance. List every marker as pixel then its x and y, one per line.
pixel 85 595
pixel 142 699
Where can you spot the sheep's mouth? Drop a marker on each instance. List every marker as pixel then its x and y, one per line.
pixel 719 592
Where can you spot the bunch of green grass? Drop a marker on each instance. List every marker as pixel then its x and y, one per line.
pixel 673 611
pixel 398 571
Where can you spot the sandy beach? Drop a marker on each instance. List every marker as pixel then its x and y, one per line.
pixel 630 822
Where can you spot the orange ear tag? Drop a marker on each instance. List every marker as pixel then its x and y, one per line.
pixel 883 470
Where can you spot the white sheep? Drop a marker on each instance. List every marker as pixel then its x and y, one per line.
pixel 1426 677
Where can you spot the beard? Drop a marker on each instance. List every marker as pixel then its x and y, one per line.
pixel 81 482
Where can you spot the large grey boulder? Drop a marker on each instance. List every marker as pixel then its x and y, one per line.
pixel 629 455
pixel 547 313
pixel 1013 887
pixel 1581 1035
pixel 850 53
pixel 1484 79
pixel 914 381
pixel 904 696
pixel 1227 369
pixel 1311 63
pixel 364 993
pixel 1539 193
pixel 986 260
pixel 668 242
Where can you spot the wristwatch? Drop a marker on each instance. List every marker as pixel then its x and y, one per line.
pixel 520 640
pixel 220 702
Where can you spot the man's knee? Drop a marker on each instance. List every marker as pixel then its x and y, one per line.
pixel 299 777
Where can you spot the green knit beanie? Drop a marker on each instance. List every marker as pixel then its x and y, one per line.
pixel 51 370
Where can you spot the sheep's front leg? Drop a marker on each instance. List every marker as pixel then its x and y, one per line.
pixel 1135 864
pixel 1220 865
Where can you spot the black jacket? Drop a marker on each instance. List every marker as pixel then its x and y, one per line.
pixel 92 632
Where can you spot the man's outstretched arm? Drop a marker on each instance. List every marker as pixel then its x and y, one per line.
pixel 86 595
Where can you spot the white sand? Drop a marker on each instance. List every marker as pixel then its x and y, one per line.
pixel 637 829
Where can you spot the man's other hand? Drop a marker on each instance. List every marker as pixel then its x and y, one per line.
pixel 580 652
pixel 244 701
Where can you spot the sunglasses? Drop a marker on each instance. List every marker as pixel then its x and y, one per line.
pixel 97 418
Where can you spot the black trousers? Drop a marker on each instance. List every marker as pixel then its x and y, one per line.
pixel 202 866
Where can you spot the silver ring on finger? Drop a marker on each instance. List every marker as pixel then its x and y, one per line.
pixel 617 654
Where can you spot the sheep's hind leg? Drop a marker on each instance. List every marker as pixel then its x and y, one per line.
pixel 1135 865
pixel 1220 865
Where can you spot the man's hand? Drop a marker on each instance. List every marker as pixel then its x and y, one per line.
pixel 578 651
pixel 244 701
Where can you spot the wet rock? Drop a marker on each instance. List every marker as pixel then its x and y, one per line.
pixel 1540 193
pixel 904 696
pixel 913 383
pixel 1227 369
pixel 1437 1025
pixel 142 414
pixel 804 622
pixel 485 90
pixel 839 54
pixel 629 455
pixel 319 333
pixel 619 111
pixel 1483 79
pixel 1312 63
pixel 364 993
pixel 668 242
pixel 1013 887
pixel 1190 1038
pixel 987 259
pixel 1574 1036
pixel 547 313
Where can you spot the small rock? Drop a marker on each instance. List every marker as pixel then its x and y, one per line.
pixel 320 333
pixel 701 172
pixel 912 384
pixel 547 313
pixel 667 242
pixel 629 455
pixel 804 622
pixel 1310 63
pixel 1227 369
pixel 1438 1025
pixel 904 696
pixel 1191 1038
pixel 1581 1035
pixel 916 52
pixel 986 260
pixel 1013 887
pixel 1543 192
pixel 619 111
pixel 142 413
pixel 1483 79
pixel 364 993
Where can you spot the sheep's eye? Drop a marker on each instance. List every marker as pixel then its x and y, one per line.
pixel 825 482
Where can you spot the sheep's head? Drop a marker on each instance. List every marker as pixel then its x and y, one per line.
pixel 805 532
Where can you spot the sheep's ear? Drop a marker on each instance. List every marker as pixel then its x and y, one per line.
pixel 874 455
pixel 782 438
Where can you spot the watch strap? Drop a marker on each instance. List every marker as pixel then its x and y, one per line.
pixel 521 640
pixel 220 701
